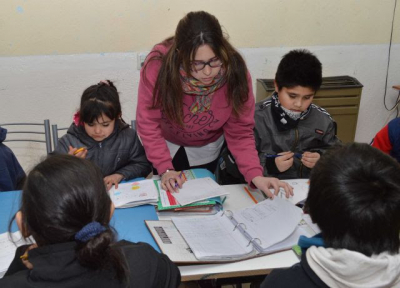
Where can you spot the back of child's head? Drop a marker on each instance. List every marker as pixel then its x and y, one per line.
pixel 100 99
pixel 62 195
pixel 354 197
pixel 299 68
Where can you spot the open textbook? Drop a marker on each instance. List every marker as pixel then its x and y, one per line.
pixel 135 193
pixel 267 227
pixel 210 204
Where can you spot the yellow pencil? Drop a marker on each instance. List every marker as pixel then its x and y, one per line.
pixel 251 196
pixel 79 150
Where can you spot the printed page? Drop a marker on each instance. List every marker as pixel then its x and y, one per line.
pixel 300 190
pixel 139 192
pixel 199 189
pixel 8 248
pixel 270 221
pixel 213 237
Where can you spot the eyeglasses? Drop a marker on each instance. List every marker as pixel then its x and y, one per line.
pixel 199 65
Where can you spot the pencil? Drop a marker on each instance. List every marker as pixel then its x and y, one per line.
pixel 251 196
pixel 79 150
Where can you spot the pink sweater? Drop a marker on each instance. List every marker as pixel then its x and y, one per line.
pixel 199 129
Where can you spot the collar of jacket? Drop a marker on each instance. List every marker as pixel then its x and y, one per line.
pixel 282 120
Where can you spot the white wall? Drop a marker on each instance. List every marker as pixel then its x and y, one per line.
pixel 50 51
pixel 34 88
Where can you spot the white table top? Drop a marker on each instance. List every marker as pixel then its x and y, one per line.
pixel 237 199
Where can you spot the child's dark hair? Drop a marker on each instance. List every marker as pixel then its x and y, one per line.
pixel 299 68
pixel 61 195
pixel 354 197
pixel 194 30
pixel 98 99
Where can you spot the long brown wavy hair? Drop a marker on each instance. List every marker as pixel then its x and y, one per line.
pixel 194 30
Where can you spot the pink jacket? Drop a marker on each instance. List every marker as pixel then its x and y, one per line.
pixel 199 129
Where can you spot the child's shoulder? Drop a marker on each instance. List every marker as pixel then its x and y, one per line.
pixel 262 106
pixel 320 113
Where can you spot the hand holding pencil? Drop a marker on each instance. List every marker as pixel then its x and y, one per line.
pixel 78 152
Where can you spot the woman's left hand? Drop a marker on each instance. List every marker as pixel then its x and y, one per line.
pixel 113 179
pixel 266 183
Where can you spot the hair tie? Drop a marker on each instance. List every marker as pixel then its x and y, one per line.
pixel 77 118
pixel 104 82
pixel 89 231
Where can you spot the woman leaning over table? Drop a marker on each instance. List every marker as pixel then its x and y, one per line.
pixel 195 92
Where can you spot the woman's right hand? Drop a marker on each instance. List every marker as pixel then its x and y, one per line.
pixel 81 154
pixel 171 181
pixel 285 161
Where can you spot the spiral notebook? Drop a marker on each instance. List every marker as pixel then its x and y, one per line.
pixel 267 227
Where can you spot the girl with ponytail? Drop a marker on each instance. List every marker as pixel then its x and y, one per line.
pixel 66 209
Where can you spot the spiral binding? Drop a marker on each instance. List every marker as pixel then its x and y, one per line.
pixel 254 239
pixel 245 228
pixel 228 213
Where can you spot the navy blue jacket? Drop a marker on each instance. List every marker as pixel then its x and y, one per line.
pixel 11 172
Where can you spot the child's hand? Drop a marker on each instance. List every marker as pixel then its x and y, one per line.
pixel 25 259
pixel 285 161
pixel 78 152
pixel 266 183
pixel 113 179
pixel 309 159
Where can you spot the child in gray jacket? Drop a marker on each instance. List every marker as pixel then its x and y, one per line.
pixel 99 134
pixel 290 131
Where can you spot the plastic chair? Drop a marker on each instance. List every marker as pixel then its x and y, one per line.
pixel 22 135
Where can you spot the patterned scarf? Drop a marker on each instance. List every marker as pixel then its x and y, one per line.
pixel 283 120
pixel 203 92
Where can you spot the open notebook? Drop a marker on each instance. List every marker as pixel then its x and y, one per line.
pixel 267 227
pixel 131 194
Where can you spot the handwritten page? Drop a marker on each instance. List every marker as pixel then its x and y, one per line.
pixel 270 221
pixel 134 194
pixel 199 189
pixel 171 241
pixel 213 237
pixel 8 248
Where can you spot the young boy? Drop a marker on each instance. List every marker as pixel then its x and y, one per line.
pixel 291 133
pixel 354 198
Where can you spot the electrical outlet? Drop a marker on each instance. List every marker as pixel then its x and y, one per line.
pixel 141 57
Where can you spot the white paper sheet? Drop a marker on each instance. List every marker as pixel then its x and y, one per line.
pixel 271 221
pixel 199 189
pixel 212 237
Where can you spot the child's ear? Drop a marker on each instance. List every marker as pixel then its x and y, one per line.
pixel 276 86
pixel 22 225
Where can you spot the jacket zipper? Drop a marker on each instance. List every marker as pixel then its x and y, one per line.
pixel 296 140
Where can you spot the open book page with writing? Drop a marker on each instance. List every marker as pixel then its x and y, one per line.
pixel 132 194
pixel 269 221
pixel 213 237
pixel 199 189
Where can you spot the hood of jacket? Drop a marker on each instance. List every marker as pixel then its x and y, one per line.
pixel 345 268
pixel 3 134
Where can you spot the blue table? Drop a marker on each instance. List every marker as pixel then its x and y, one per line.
pixel 128 222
